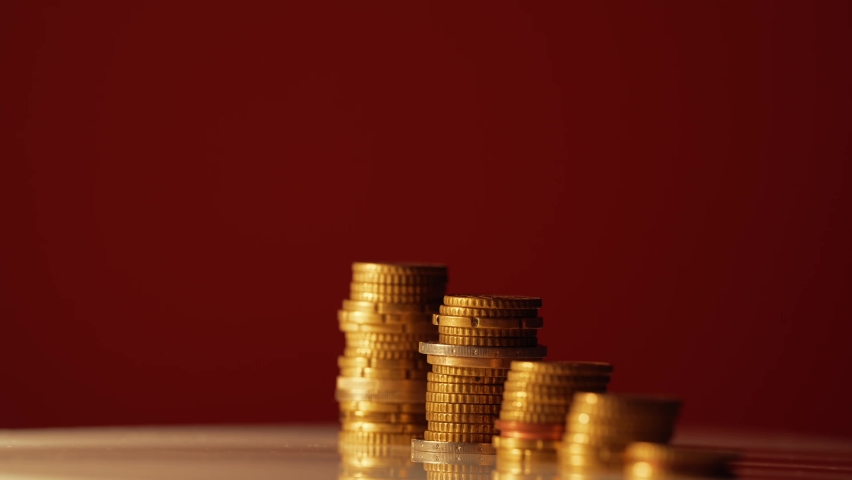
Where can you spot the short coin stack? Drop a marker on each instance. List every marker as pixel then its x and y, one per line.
pixel 649 461
pixel 599 428
pixel 536 399
pixel 479 336
pixel 382 384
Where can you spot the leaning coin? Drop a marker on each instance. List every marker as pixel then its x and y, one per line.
pixel 423 456
pixel 434 348
pixel 453 447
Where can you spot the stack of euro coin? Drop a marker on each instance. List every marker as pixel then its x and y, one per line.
pixel 536 399
pixel 381 389
pixel 600 426
pixel 650 461
pixel 479 336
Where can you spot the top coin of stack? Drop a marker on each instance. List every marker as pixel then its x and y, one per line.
pixel 600 426
pixel 382 384
pixel 479 336
pixel 649 461
pixel 536 398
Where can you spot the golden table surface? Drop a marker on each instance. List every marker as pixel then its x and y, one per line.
pixel 310 451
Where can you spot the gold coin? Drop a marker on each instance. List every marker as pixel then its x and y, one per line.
pixel 486 332
pixel 356 426
pixel 400 268
pixel 457 437
pixel 414 328
pixel 563 368
pixel 478 380
pixel 566 389
pixel 426 298
pixel 531 417
pixel 388 337
pixel 453 427
pixel 372 450
pixel 388 307
pixel 535 397
pixel 478 409
pixel 488 341
pixel 488 312
pixel 492 301
pixel 524 444
pixel 382 417
pixel 461 398
pixel 386 346
pixel 470 372
pixel 371 406
pixel 533 407
pixel 399 279
pixel 555 380
pixel 487 322
pixel 371 318
pixel 354 383
pixel 355 465
pixel 382 354
pixel 435 348
pixel 467 388
pixel 431 290
pixel 460 417
pixel 453 468
pixel 366 362
pixel 384 373
pixel 374 437
pixel 471 362
pixel 637 420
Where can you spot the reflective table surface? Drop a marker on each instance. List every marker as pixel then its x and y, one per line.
pixel 311 452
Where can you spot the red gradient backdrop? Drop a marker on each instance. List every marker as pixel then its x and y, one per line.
pixel 184 186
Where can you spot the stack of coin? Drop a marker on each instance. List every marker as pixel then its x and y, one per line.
pixel 649 461
pixel 600 426
pixel 479 336
pixel 536 398
pixel 382 384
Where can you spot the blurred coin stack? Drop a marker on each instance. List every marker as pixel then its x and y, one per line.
pixel 479 336
pixel 381 389
pixel 536 399
pixel 649 461
pixel 599 428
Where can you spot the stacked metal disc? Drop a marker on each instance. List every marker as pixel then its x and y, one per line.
pixel 479 336
pixel 649 461
pixel 536 399
pixel 599 428
pixel 382 384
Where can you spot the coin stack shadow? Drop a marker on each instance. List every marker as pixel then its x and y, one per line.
pixel 600 426
pixel 381 389
pixel 648 461
pixel 479 336
pixel 536 399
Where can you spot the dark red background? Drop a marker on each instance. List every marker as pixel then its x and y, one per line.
pixel 184 186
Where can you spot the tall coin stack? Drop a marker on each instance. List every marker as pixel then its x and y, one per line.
pixel 536 399
pixel 382 384
pixel 479 336
pixel 649 461
pixel 599 428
